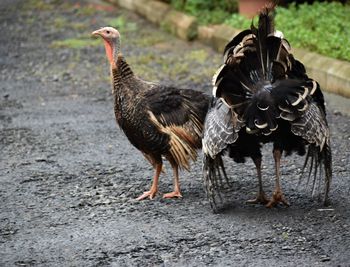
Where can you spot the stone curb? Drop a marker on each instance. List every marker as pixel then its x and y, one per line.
pixel 332 74
pixel 147 9
pixel 162 14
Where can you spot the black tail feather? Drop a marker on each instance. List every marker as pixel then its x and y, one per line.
pixel 327 155
pixel 320 167
pixel 235 41
pixel 266 27
pixel 214 179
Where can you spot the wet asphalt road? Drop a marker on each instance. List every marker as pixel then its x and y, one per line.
pixel 69 177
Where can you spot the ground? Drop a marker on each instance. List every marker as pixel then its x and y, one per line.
pixel 69 177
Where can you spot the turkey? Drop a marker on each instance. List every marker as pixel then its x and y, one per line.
pixel 160 121
pixel 265 96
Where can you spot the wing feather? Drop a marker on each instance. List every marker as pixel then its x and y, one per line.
pixel 312 127
pixel 220 129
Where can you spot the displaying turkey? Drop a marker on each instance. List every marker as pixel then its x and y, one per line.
pixel 264 96
pixel 158 120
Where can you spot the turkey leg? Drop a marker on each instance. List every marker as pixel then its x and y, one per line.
pixel 277 196
pixel 176 192
pixel 154 188
pixel 260 198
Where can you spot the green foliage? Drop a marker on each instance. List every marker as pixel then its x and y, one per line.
pixel 207 12
pixel 238 21
pixel 322 27
pixel 191 5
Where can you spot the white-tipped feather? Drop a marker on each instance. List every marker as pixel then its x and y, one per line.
pixel 314 87
pixel 286 45
pixel 306 92
pixel 237 48
pixel 223 101
pixel 262 108
pixel 279 34
pixel 239 54
pixel 266 133
pixel 297 101
pixel 215 88
pixel 247 37
pixel 287 116
pixel 284 109
pixel 260 126
pixel 274 129
pixel 304 107
pixel 248 130
pixel 216 74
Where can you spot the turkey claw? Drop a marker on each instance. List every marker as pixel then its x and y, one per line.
pixel 260 199
pixel 277 197
pixel 150 194
pixel 172 195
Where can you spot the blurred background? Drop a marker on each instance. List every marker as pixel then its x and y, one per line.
pixel 318 26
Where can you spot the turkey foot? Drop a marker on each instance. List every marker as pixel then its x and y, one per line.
pixel 154 187
pixel 173 194
pixel 277 197
pixel 151 194
pixel 260 199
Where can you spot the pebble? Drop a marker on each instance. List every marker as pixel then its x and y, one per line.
pixel 325 258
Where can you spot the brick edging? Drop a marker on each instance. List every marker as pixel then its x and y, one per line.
pixel 332 74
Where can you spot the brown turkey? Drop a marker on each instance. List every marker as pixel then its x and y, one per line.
pixel 160 121
pixel 265 96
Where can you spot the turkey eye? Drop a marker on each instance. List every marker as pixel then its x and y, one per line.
pixel 107 32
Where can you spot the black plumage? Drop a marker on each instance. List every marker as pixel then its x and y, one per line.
pixel 268 98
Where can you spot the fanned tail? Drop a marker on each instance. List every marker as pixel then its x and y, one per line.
pixel 256 62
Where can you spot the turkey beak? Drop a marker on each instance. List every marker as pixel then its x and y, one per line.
pixel 96 33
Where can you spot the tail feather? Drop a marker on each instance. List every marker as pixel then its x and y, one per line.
pixel 234 42
pixel 320 167
pixel 214 179
pixel 327 163
pixel 265 28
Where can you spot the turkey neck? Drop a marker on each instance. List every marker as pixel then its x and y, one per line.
pixel 120 70
pixel 122 76
pixel 125 88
